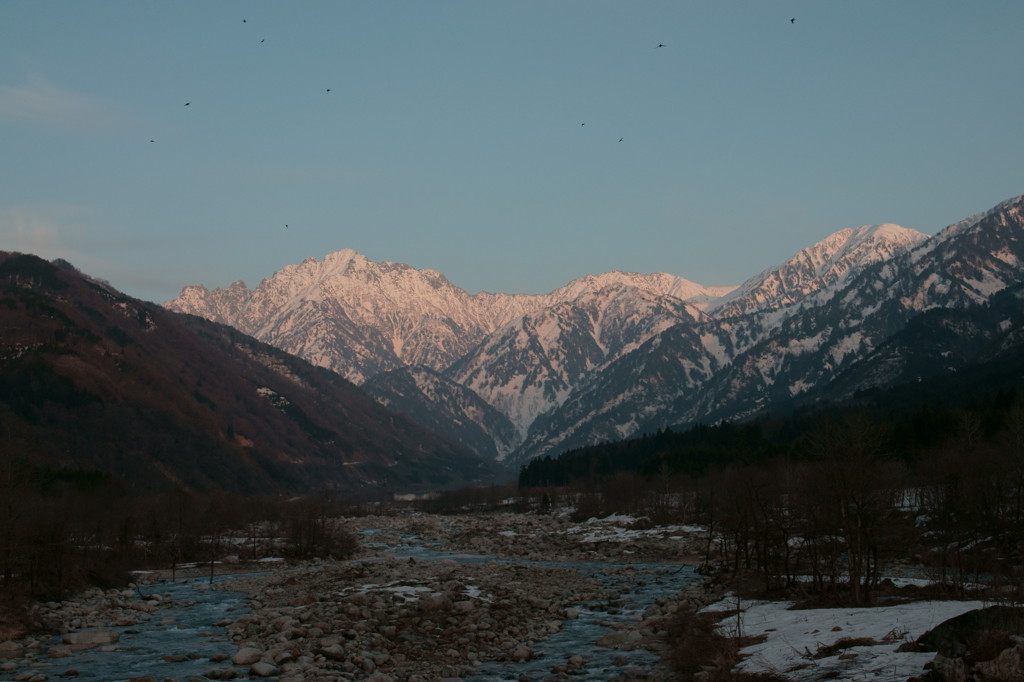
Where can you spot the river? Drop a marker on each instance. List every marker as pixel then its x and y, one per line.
pixel 177 643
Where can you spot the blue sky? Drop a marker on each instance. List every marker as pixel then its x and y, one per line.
pixel 481 138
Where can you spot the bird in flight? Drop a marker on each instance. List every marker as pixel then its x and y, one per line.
pixel 620 139
pixel 328 89
pixel 793 20
pixel 187 103
pixel 659 45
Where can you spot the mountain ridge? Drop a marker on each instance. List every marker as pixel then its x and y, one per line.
pixel 91 378
pixel 607 355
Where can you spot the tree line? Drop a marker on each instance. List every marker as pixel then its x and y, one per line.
pixel 823 504
pixel 62 530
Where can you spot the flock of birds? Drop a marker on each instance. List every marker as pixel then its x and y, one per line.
pixel 262 40
pixel 659 45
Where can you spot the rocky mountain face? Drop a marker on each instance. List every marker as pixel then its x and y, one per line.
pixel 91 379
pixel 941 342
pixel 522 354
pixel 612 355
pixel 826 331
pixel 435 401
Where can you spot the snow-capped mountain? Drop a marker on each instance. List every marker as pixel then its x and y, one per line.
pixel 614 354
pixel 533 364
pixel 770 297
pixel 95 380
pixel 822 335
pixel 827 264
pixel 359 317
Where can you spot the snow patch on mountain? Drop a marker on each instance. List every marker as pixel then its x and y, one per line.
pixel 606 355
pixel 825 265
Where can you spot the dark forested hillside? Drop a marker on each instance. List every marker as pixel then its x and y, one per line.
pixel 92 379
pixel 916 417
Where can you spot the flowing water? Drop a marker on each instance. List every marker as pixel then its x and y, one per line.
pixel 188 630
pixel 639 586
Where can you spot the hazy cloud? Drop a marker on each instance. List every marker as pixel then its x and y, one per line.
pixel 130 263
pixel 40 102
pixel 39 230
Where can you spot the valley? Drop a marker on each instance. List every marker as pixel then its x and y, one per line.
pixel 840 433
pixel 619 354
pixel 464 341
pixel 485 597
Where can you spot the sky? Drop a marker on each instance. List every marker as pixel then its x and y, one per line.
pixel 511 145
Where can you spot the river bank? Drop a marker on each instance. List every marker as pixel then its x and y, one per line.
pixel 479 598
pixel 427 598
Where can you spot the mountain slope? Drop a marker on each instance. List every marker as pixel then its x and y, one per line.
pixel 610 355
pixel 767 356
pixel 91 378
pixel 828 264
pixel 447 407
pixel 956 269
pixel 532 365
pixel 673 378
pixel 938 342
pixel 358 317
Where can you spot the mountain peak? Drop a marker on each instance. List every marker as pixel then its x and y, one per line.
pixel 659 283
pixel 822 265
pixel 608 354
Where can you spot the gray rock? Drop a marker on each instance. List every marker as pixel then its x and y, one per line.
pixel 247 655
pixel 954 637
pixel 620 639
pixel 11 649
pixel 89 638
pixel 143 606
pixel 334 652
pixel 263 669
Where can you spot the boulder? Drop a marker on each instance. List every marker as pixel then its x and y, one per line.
pixel 983 644
pixel 11 649
pixel 91 638
pixel 621 639
pixel 380 677
pixel 334 652
pixel 956 636
pixel 262 669
pixel 143 606
pixel 247 655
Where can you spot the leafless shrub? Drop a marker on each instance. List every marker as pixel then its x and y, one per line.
pixel 696 646
pixel 842 644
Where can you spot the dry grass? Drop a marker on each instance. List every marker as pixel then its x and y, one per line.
pixel 843 644
pixel 696 646
pixel 16 619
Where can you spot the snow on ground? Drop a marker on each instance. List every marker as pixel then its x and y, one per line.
pixel 793 637
pixel 615 528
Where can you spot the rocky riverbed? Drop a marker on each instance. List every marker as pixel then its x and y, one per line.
pixel 428 598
